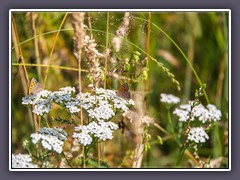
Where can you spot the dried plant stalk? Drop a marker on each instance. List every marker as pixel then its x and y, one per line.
pixel 79 33
pixel 136 126
pixel 121 32
pixel 78 26
pixel 93 57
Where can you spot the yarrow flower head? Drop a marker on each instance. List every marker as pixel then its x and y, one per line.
pixel 51 139
pixel 22 161
pixel 40 102
pixel 101 106
pixel 197 134
pixel 102 130
pixel 169 99
pixel 104 105
pixel 186 113
pixel 214 113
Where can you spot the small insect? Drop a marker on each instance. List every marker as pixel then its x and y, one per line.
pixel 34 87
pixel 124 91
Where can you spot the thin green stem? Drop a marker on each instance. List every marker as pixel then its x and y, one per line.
pixel 90 146
pixel 45 120
pixel 182 150
pixel 106 55
pixel 170 120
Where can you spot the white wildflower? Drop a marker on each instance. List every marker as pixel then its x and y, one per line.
pixel 169 99
pixel 83 137
pixel 214 113
pixel 102 130
pixel 22 161
pixel 62 96
pixel 211 113
pixel 186 107
pixel 28 100
pixel 182 114
pixel 42 107
pixel 101 106
pixel 43 94
pixel 51 139
pixel 197 134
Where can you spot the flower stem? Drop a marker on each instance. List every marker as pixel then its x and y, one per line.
pixel 182 150
pixel 170 121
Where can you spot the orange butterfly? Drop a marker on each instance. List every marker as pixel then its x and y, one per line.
pixel 34 87
pixel 124 91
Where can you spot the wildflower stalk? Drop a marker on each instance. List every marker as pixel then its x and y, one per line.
pixel 180 155
pixel 35 120
pixel 90 146
pixel 20 53
pixel 90 24
pixel 170 121
pixel 78 20
pixel 101 145
pixel 80 90
pixel 23 71
pixel 148 48
pixel 45 121
pixel 106 55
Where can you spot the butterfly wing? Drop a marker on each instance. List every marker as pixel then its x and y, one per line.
pixel 124 91
pixel 34 87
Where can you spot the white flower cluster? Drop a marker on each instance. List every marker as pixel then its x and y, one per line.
pixel 22 161
pixel 104 105
pixel 169 98
pixel 102 130
pixel 199 112
pixel 211 113
pixel 64 97
pixel 101 106
pixel 197 134
pixel 41 103
pixel 51 139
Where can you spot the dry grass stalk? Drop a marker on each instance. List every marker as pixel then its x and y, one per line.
pixel 93 57
pixel 36 47
pixel 79 33
pixel 121 32
pixel 78 26
pixel 138 121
